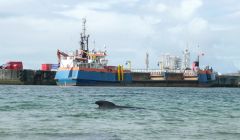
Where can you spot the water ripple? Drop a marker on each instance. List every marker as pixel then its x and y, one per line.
pixel 50 112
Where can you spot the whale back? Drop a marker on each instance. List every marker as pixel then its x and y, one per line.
pixel 105 104
pixel 109 105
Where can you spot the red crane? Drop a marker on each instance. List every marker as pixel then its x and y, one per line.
pixel 61 54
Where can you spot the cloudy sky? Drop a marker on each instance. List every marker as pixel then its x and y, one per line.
pixel 32 30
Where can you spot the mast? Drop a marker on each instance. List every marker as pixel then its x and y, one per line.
pixel 198 56
pixel 84 40
pixel 186 59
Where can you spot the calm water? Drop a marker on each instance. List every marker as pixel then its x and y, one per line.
pixel 49 112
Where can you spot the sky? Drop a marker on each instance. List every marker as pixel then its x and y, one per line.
pixel 32 30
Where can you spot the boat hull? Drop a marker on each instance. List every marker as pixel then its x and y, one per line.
pixel 90 78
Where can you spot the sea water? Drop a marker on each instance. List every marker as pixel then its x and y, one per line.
pixel 62 113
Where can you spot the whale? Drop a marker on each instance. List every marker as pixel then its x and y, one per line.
pixel 109 105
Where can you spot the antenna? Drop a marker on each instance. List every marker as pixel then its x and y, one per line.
pixel 84 26
pixel 147 60
pixel 94 44
pixel 198 58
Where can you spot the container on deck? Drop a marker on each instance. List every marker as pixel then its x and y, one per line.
pixel 54 67
pixel 13 65
pixel 46 67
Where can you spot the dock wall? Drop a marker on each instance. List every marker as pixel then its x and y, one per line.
pixel 228 81
pixel 27 77
pixel 39 77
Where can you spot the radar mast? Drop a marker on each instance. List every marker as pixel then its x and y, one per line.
pixel 84 39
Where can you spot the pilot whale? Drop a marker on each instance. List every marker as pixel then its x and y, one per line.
pixel 110 105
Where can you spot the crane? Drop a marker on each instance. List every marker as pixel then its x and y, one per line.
pixel 61 54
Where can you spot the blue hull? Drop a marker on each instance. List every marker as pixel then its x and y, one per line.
pixel 206 78
pixel 90 78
